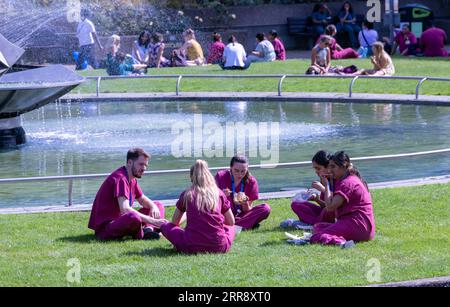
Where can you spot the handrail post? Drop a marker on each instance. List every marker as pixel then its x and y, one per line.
pixel 178 84
pixel 99 79
pixel 419 86
pixel 350 91
pixel 280 84
pixel 70 193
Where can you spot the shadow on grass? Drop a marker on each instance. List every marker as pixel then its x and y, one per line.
pixel 157 252
pixel 86 238
pixel 89 239
pixel 274 243
pixel 271 230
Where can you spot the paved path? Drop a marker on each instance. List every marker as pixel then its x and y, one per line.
pixel 267 96
pixel 288 193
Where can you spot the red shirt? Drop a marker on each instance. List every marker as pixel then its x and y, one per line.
pixel 404 41
pixel 279 49
pixel 432 43
pixel 216 52
pixel 357 202
pixel 106 205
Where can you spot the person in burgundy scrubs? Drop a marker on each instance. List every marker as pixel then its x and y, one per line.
pixel 432 42
pixel 352 204
pixel 209 219
pixel 308 212
pixel 113 216
pixel 237 181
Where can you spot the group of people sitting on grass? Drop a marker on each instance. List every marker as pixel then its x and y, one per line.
pixel 216 208
pixel 430 44
pixel 148 52
pixel 327 49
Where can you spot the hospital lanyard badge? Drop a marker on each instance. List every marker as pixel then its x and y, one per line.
pixel 233 189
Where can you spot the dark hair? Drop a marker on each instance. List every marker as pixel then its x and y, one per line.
pixel 243 160
pixel 274 33
pixel 369 25
pixel 351 7
pixel 135 153
pixel 322 158
pixel 157 37
pixel 330 30
pixel 232 39
pixel 317 7
pixel 216 37
pixel 260 36
pixel 85 13
pixel 342 159
pixel 143 33
pixel 120 56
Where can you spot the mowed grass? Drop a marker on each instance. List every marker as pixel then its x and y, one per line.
pixel 404 66
pixel 412 241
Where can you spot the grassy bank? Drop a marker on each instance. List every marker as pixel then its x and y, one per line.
pixel 412 241
pixel 404 66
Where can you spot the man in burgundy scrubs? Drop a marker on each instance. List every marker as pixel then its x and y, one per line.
pixel 112 215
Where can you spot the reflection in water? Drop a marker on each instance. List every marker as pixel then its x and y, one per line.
pixel 323 111
pixel 354 114
pixel 86 138
pixel 382 113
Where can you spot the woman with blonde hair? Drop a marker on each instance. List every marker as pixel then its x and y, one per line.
pixel 321 57
pixel 113 44
pixel 210 221
pixel 191 53
pixel 382 62
pixel 118 63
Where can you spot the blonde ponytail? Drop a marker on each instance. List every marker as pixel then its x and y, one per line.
pixel 203 187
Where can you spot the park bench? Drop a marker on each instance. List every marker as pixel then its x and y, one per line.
pixel 301 27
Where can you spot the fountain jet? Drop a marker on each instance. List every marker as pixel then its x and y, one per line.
pixel 25 91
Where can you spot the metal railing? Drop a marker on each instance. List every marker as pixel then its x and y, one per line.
pixel 281 78
pixel 288 165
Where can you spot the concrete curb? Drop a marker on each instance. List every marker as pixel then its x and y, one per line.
pixel 288 193
pixel 258 97
pixel 428 282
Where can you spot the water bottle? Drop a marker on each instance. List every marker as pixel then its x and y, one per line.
pixel 362 52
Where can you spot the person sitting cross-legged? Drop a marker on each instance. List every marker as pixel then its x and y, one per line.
pixel 112 215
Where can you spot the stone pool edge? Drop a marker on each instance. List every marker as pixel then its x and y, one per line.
pixel 432 100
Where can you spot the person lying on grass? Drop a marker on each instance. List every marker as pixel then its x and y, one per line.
pixel 113 216
pixel 210 221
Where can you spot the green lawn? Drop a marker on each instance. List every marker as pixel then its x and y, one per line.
pixel 404 66
pixel 412 241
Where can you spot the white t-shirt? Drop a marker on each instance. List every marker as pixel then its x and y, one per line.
pixel 234 55
pixel 371 37
pixel 84 32
pixel 267 50
pixel 141 50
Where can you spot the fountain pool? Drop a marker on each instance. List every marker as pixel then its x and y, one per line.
pixel 87 138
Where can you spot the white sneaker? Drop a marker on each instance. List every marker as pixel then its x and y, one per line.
pixel 348 244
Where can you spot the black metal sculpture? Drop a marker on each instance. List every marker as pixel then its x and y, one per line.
pixel 25 91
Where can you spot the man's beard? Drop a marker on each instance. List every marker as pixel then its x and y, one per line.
pixel 135 173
